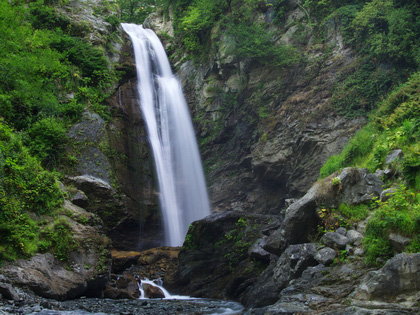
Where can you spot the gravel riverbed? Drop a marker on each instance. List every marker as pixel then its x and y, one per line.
pixel 86 306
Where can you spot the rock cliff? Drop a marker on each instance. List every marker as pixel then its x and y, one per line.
pixel 264 130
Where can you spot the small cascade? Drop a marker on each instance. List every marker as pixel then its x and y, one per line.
pixel 158 284
pixel 210 307
pixel 183 192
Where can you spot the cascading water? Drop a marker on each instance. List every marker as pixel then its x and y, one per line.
pixel 183 192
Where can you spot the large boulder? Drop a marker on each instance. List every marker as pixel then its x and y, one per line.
pixel 400 275
pixel 290 265
pixel 216 251
pixel 84 272
pixel 351 186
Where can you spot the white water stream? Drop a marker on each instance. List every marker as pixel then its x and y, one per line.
pixel 183 192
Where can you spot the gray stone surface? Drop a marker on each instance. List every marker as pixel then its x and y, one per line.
pixel 400 275
pixel 326 256
pixel 334 240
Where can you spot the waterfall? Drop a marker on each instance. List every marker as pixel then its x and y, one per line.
pixel 183 193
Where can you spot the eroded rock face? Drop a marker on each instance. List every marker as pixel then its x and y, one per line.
pixel 215 252
pixel 290 265
pixel 400 275
pixel 85 273
pixel 356 186
pixel 264 131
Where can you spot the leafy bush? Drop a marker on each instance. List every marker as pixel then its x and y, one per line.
pixel 58 237
pixel 24 188
pixel 400 214
pixel 48 140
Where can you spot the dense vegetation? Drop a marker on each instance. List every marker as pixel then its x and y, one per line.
pixel 382 83
pixel 49 74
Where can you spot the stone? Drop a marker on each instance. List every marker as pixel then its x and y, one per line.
pixel 357 186
pixel 326 256
pixel 122 287
pixel 91 185
pixel 152 291
pixel 80 199
pixel 387 193
pixel 394 155
pixel 341 231
pixel 48 277
pixel 8 292
pixel 399 275
pixel 355 238
pixel 398 242
pixel 257 251
pixel 122 260
pixel 290 265
pixel 334 240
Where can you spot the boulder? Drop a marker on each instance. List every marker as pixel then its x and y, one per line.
pixel 334 240
pixel 216 251
pixel 355 238
pixel 398 242
pixel 80 199
pixel 400 275
pixel 122 287
pixel 257 251
pixel 9 292
pixel 85 272
pixel 152 291
pixel 48 277
pixel 356 186
pixel 386 194
pixel 326 256
pixel 290 265
pixel 394 155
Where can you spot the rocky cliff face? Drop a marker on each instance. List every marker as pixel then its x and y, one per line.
pixel 264 131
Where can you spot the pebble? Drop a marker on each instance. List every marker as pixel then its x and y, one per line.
pixel 94 306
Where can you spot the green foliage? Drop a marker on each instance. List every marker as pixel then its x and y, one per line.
pixel 48 138
pixel 361 86
pixel 336 181
pixel 395 125
pixel 354 213
pixel 58 237
pixel 400 214
pixel 24 188
pixel 135 11
pixel 254 41
pixel 355 151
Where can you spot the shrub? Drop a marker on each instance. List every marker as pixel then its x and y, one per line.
pixel 48 138
pixel 400 214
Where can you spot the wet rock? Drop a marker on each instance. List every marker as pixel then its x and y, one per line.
pixel 152 292
pixel 334 240
pixel 122 287
pixel 326 256
pixel 398 242
pixel 398 276
pixel 216 252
